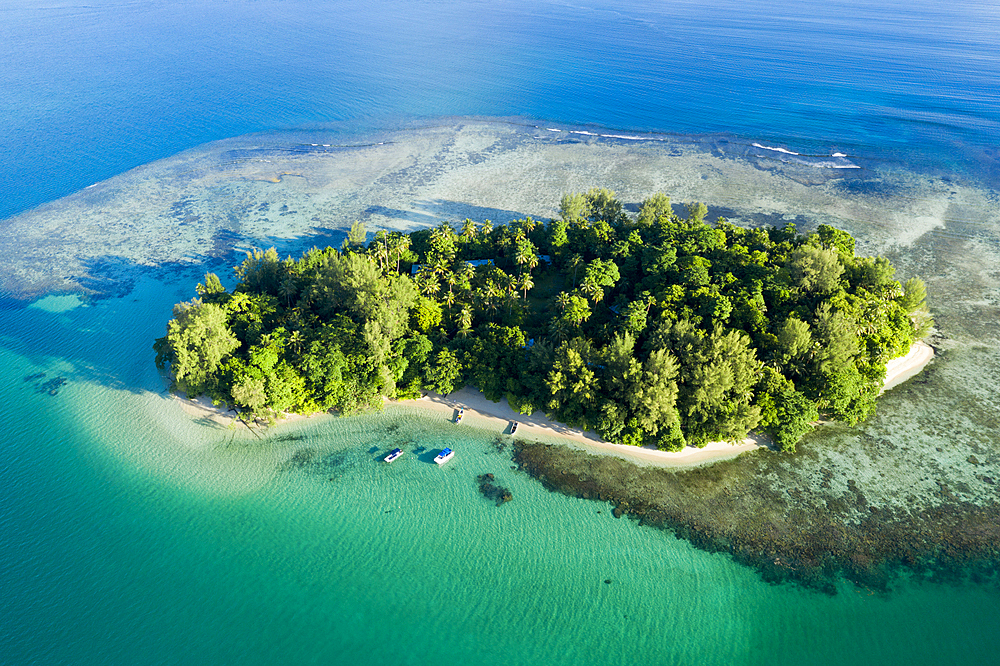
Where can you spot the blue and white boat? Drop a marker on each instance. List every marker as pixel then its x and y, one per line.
pixel 461 413
pixel 445 455
pixel 395 453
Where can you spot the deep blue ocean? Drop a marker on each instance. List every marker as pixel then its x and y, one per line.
pixel 130 536
pixel 92 90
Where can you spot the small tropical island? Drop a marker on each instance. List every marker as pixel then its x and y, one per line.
pixel 650 329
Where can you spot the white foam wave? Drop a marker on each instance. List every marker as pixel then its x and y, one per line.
pixel 552 129
pixel 623 136
pixel 777 150
pixel 583 132
pixel 838 155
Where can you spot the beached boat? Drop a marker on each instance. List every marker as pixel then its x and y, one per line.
pixel 461 413
pixel 395 453
pixel 445 455
pixel 513 427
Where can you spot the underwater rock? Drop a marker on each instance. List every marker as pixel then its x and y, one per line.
pixel 498 494
pixel 52 386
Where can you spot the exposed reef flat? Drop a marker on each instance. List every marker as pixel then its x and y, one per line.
pixel 195 208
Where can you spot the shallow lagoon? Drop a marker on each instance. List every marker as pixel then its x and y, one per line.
pixel 134 532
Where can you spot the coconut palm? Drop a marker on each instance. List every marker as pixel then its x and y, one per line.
pixel 380 250
pixel 427 282
pixel 398 245
pixel 295 340
pixel 469 229
pixel 288 289
pixel 590 287
pixel 525 283
pixel 522 253
pixel 575 261
pixel 464 322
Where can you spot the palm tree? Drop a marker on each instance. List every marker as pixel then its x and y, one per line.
pixel 521 254
pixel 491 293
pixel 575 261
pixel 380 249
pixel 469 230
pixel 431 286
pixel 464 321
pixel 288 289
pixel 532 261
pixel 295 340
pixel 451 279
pixel 525 283
pixel 510 284
pixel 466 272
pixel 449 298
pixel 398 244
pixel 439 265
pixel 590 287
pixel 427 282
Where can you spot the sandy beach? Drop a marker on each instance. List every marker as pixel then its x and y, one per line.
pixel 482 413
pixel 898 370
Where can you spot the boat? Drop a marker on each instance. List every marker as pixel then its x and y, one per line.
pixel 513 427
pixel 395 453
pixel 461 413
pixel 445 455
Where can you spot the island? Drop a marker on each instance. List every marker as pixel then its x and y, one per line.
pixel 651 329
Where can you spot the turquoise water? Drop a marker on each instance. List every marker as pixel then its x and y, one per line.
pixel 132 533
pixel 136 534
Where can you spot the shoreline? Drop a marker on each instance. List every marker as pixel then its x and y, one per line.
pixel 482 413
pixel 899 370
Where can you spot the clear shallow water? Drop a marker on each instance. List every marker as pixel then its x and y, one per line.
pixel 130 533
pixel 149 537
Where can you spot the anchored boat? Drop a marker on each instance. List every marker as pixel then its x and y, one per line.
pixel 445 455
pixel 395 453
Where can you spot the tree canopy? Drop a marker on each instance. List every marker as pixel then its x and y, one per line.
pixel 654 330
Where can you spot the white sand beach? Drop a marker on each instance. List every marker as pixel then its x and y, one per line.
pixel 898 370
pixel 482 413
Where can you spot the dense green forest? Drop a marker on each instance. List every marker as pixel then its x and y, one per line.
pixel 648 328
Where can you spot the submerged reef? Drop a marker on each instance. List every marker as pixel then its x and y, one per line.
pixel 752 508
pixel 492 491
